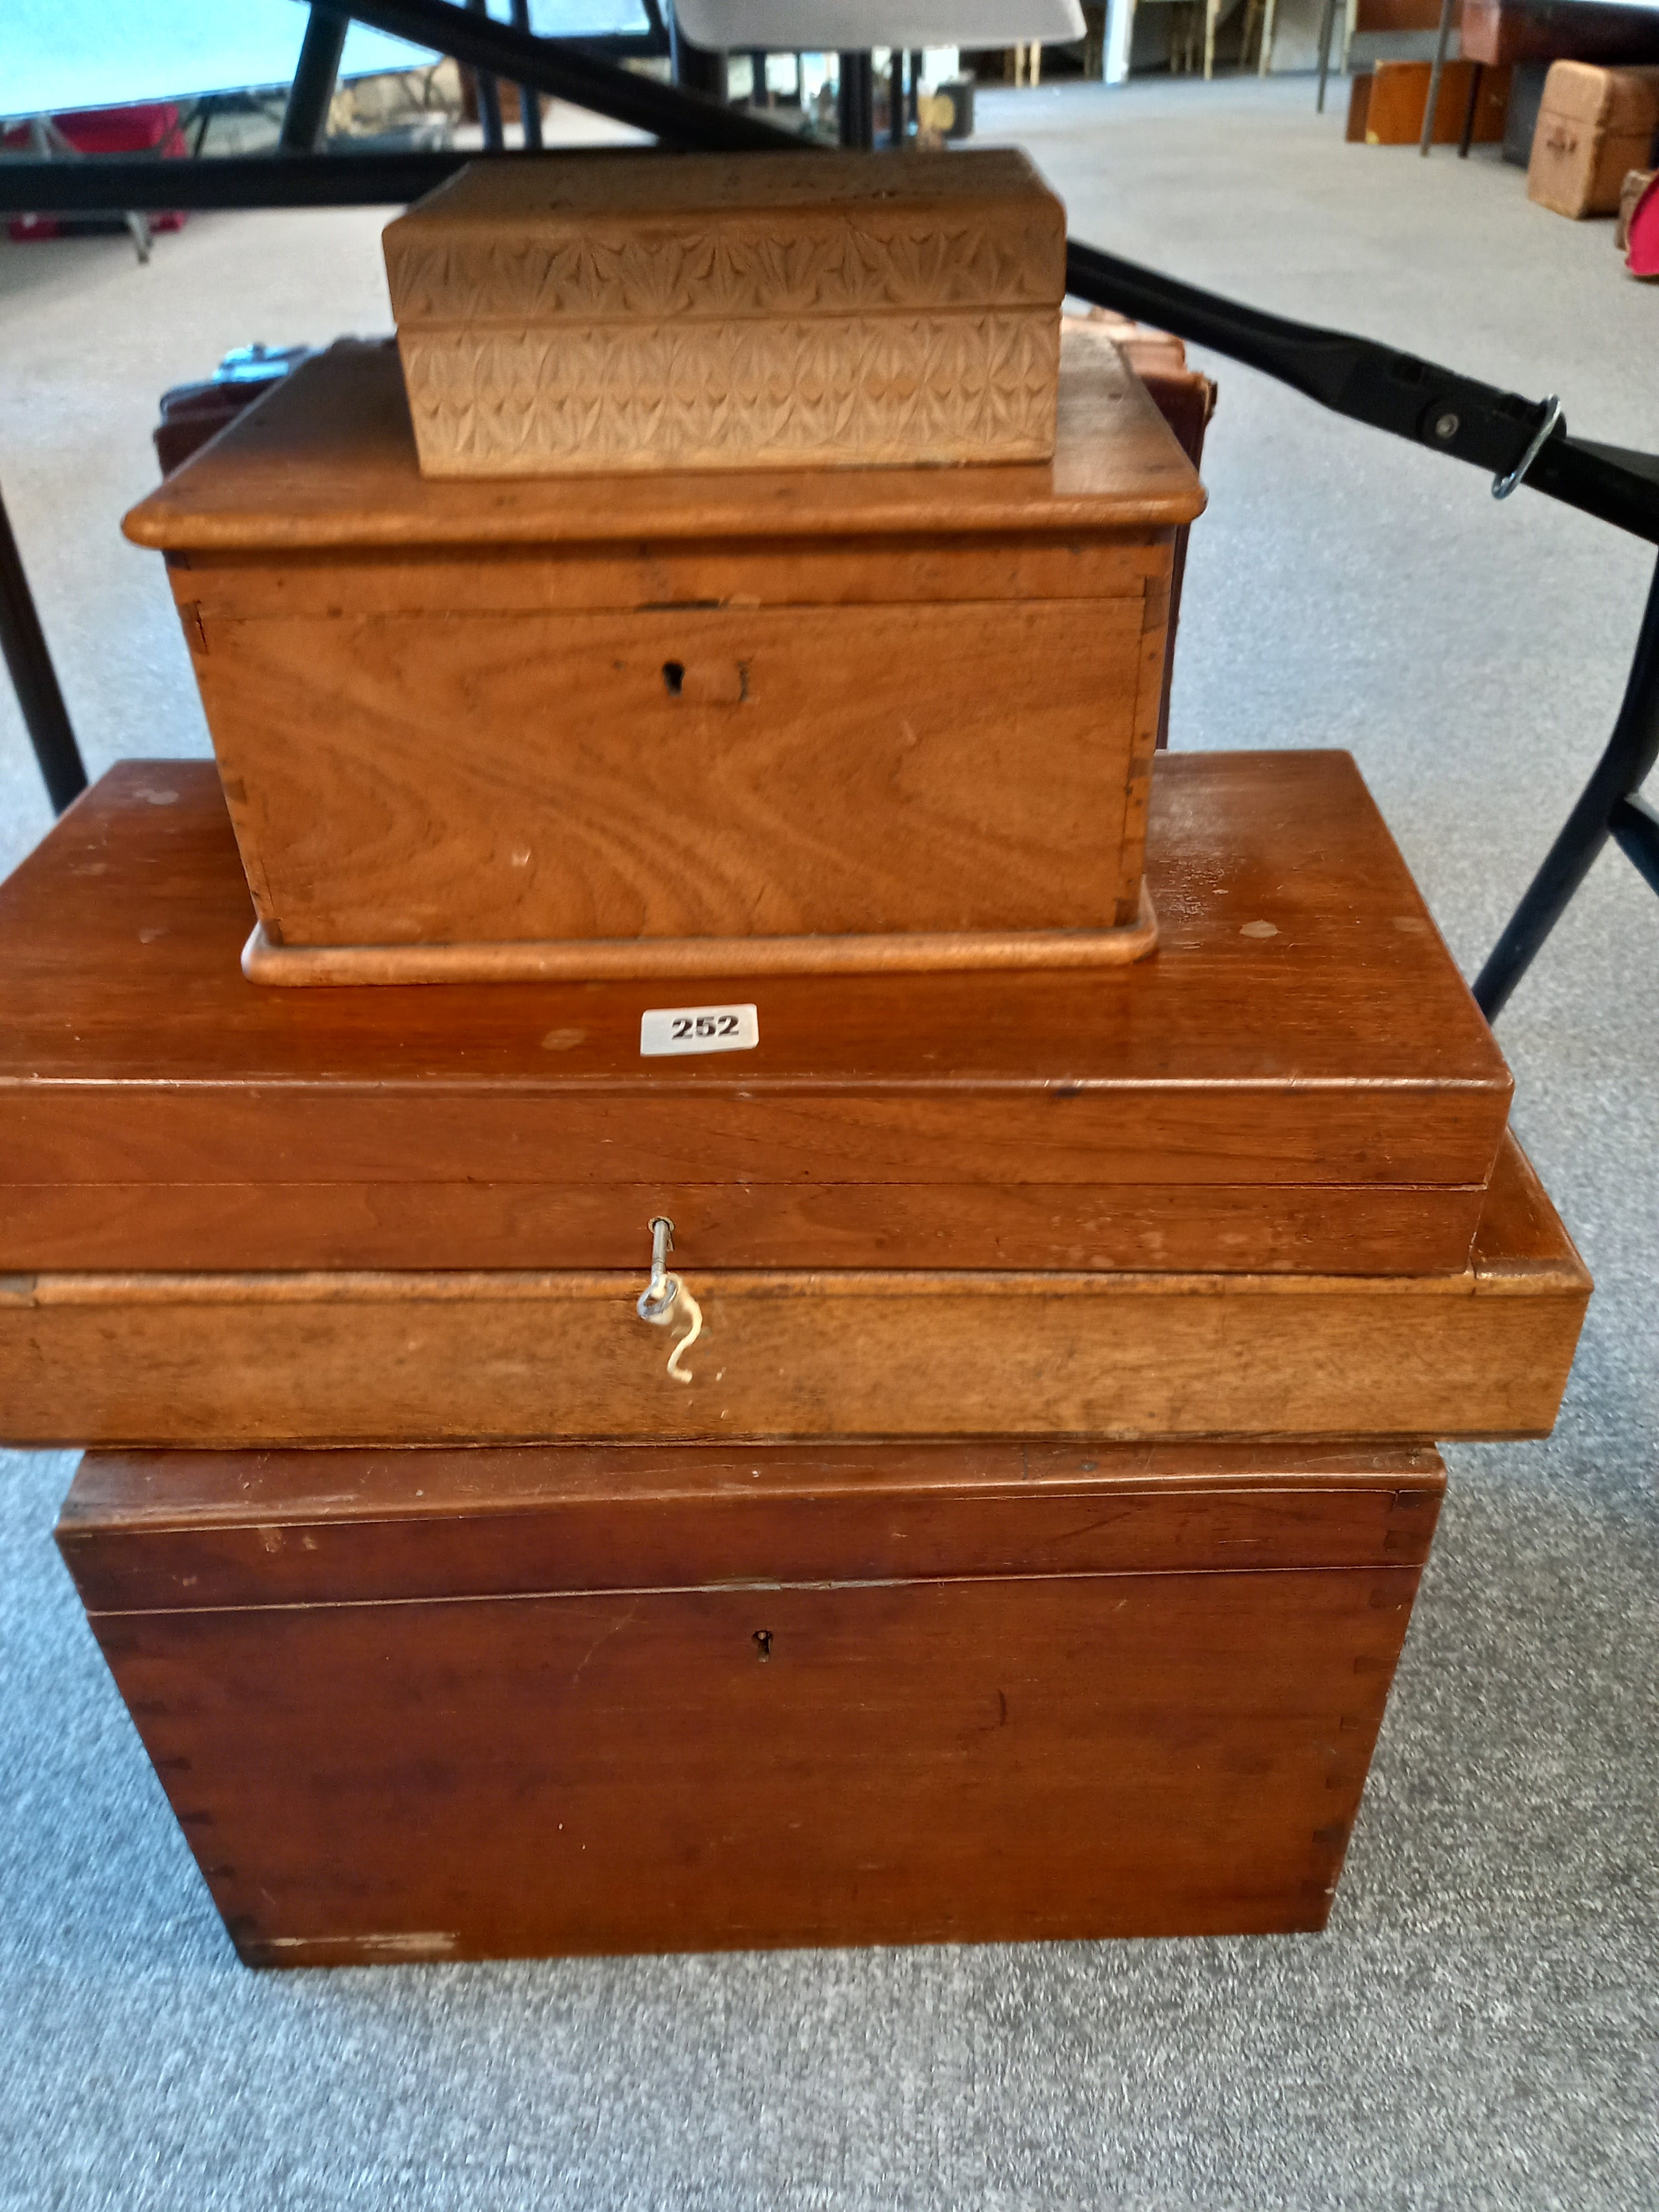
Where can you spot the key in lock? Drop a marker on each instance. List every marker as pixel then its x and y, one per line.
pixel 666 1298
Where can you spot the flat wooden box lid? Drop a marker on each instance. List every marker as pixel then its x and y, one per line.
pixel 326 461
pixel 563 194
pixel 488 1521
pixel 536 241
pixel 1302 1012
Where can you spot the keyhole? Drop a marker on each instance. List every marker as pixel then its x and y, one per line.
pixel 673 675
pixel 762 1644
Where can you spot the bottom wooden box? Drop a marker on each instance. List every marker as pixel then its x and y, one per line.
pixel 436 1703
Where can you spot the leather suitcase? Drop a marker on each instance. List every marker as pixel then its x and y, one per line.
pixel 1594 127
pixel 1297 1082
pixel 819 721
pixel 439 1704
pixel 399 1358
pixel 1497 32
pixel 1385 108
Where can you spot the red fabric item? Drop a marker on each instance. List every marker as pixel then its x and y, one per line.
pixel 1642 259
pixel 125 130
pixel 152 127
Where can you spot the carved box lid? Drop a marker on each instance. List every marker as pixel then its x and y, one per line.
pixel 619 234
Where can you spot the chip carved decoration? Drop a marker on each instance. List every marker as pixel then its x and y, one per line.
pixel 713 395
pixel 837 266
pixel 834 334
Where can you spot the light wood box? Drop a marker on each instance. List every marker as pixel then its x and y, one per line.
pixel 1299 1082
pixel 587 312
pixel 440 1704
pixel 680 725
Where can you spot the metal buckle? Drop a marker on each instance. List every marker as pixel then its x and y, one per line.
pixel 1503 486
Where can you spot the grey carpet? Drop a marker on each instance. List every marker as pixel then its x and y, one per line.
pixel 1480 2025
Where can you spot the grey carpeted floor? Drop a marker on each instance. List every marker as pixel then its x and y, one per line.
pixel 1480 2025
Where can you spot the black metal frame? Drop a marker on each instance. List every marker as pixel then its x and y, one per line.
pixel 1610 807
pixel 225 180
pixel 855 99
pixel 530 99
pixel 1515 439
pixel 305 119
pixel 34 679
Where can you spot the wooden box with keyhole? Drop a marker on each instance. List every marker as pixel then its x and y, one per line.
pixel 428 1705
pixel 1298 1083
pixel 677 724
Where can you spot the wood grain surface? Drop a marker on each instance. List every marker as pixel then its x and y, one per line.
pixel 388 1359
pixel 1360 1229
pixel 863 569
pixel 169 1531
pixel 1297 1078
pixel 418 759
pixel 980 1727
pixel 712 772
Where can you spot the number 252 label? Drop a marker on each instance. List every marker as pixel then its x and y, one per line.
pixel 698 1028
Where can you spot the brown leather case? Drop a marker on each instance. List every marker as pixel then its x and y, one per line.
pixel 1388 111
pixel 1497 32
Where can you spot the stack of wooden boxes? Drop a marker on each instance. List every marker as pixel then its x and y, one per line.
pixel 1013 1529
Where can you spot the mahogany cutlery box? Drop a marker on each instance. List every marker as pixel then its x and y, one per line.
pixel 676 723
pixel 1297 1082
pixel 1258 1184
pixel 390 1357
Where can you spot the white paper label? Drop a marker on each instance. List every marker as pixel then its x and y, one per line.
pixel 698 1028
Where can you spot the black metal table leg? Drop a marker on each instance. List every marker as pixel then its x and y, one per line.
pixel 1437 70
pixel 489 96
pixel 856 100
pixel 1327 25
pixel 1607 808
pixel 1467 139
pixel 305 119
pixel 36 679
pixel 530 101
pixel 1635 828
pixel 699 68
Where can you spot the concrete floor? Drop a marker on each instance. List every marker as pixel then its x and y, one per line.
pixel 1480 2025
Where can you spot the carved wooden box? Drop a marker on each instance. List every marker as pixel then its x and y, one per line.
pixel 682 725
pixel 623 310
pixel 443 1704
